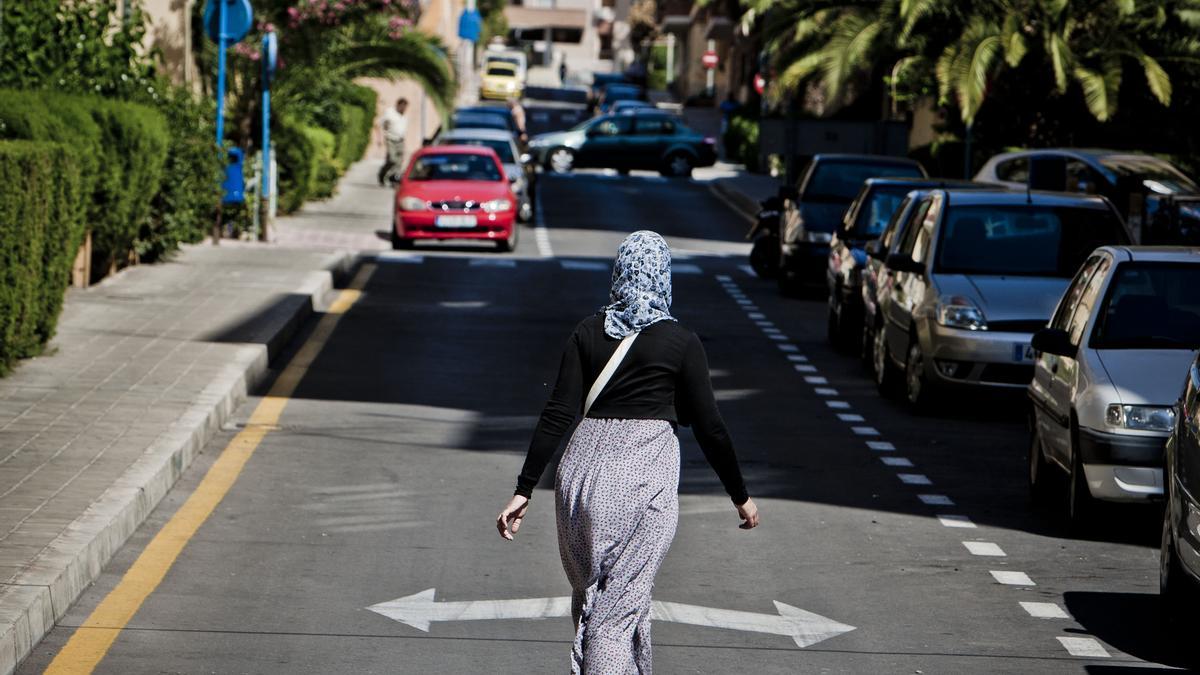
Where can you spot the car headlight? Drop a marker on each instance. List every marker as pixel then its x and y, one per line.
pixel 496 205
pixel 1141 417
pixel 959 312
pixel 818 237
pixel 413 204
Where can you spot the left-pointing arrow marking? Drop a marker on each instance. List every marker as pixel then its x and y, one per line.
pixel 804 627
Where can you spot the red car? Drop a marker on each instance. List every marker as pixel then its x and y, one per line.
pixel 455 192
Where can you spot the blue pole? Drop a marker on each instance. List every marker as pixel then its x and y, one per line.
pixel 222 34
pixel 265 196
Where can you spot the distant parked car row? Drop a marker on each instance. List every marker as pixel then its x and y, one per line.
pixel 1027 279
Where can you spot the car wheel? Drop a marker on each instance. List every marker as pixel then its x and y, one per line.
pixel 678 165
pixel 1040 488
pixel 561 160
pixel 917 388
pixel 764 256
pixel 887 377
pixel 1081 505
pixel 1178 593
pixel 400 243
pixel 510 244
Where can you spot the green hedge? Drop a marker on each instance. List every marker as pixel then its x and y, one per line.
pixel 741 140
pixel 42 211
pixel 314 152
pixel 122 149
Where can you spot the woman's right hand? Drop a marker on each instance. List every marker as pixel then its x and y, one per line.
pixel 748 512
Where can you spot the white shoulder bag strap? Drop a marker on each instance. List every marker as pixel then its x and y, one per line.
pixel 606 374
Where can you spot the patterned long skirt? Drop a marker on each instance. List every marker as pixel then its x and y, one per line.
pixel 617 504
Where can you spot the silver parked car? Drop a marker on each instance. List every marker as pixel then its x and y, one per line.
pixel 516 166
pixel 975 273
pixel 1108 371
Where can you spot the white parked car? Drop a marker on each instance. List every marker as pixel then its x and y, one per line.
pixel 1108 370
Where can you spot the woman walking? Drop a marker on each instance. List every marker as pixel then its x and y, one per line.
pixel 616 490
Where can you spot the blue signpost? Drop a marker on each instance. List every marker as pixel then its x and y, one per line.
pixel 270 58
pixel 226 22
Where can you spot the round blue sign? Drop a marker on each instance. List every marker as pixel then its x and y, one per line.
pixel 238 18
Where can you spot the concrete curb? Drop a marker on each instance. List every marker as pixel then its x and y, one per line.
pixel 744 204
pixel 42 593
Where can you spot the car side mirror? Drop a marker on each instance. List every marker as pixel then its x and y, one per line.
pixel 873 249
pixel 901 263
pixel 1054 341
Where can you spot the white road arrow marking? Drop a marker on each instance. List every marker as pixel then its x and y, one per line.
pixel 805 628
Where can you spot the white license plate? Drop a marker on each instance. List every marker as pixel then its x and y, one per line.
pixel 455 221
pixel 1022 353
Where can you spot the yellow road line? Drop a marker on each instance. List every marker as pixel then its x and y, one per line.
pixel 91 641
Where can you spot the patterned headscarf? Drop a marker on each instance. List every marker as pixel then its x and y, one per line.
pixel 641 285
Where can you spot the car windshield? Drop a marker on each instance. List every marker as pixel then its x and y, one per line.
pixel 1154 175
pixel 502 69
pixel 1035 241
pixel 456 166
pixel 479 121
pixel 840 181
pixel 1150 306
pixel 503 148
pixel 874 214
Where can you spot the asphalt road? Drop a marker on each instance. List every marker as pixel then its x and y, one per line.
pixel 406 434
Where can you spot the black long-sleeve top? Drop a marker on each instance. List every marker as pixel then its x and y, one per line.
pixel 664 376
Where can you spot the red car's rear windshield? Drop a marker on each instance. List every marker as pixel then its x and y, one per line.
pixel 454 167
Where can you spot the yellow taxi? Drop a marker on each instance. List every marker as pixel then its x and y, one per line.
pixel 500 81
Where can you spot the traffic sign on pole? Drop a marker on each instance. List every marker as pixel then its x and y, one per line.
pixel 709 59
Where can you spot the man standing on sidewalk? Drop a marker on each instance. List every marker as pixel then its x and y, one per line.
pixel 395 129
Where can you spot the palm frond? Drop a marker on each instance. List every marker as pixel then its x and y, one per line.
pixel 1100 88
pixel 1061 60
pixel 1156 78
pixel 414 55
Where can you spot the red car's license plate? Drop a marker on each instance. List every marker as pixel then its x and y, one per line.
pixel 456 221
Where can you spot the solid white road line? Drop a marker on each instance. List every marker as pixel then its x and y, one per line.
pixel 584 265
pixel 865 431
pixel 897 461
pixel 936 500
pixel 838 405
pixel 914 479
pixel 816 379
pixel 492 262
pixel 1045 610
pixel 984 548
pixel 1012 578
pixel 541 235
pixel 850 417
pixel 1084 646
pixel 880 446
pixel 950 520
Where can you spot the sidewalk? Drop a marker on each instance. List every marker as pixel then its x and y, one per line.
pixel 739 188
pixel 145 368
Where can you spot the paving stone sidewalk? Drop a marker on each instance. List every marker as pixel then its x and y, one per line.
pixel 145 368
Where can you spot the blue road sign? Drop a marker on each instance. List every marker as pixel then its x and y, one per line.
pixel 270 54
pixel 239 17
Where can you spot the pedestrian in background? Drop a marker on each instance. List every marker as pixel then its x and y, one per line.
pixel 518 114
pixel 394 126
pixel 616 491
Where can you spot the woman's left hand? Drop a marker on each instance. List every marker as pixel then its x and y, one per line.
pixel 509 520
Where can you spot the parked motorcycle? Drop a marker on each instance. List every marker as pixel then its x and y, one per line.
pixel 764 255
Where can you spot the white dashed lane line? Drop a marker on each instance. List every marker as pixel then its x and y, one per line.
pixel 950 520
pixel 1012 578
pixel 984 548
pixel 1076 646
pixel 1045 610
pixel 1084 646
